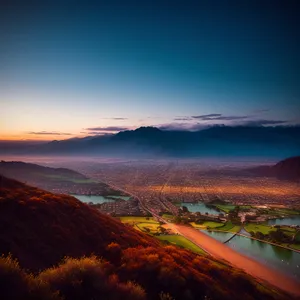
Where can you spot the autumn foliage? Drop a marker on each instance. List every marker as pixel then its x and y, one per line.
pixel 71 251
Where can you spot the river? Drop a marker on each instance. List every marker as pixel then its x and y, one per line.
pixel 283 260
pixel 99 199
pixel 200 207
pixel 285 221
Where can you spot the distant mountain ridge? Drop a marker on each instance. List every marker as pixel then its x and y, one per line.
pixel 58 180
pixel 153 142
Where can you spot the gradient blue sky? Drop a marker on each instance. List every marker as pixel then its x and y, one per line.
pixel 73 69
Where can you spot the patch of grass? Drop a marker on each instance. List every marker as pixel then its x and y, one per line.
pixel 144 224
pixel 131 219
pixel 288 230
pixel 265 229
pixel 197 226
pixel 181 242
pixel 295 246
pixel 168 217
pixel 228 226
pixel 148 227
pixel 225 207
pixel 212 224
pixel 207 224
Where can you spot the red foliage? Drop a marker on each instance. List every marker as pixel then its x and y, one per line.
pixel 40 229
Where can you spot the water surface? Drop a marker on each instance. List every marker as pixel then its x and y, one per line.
pixel 220 236
pixel 285 221
pixel 283 260
pixel 93 199
pixel 200 207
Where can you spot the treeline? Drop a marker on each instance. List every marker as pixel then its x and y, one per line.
pixel 277 236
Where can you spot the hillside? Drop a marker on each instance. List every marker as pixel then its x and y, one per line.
pixel 58 180
pixel 39 229
pixel 225 141
pixel 287 169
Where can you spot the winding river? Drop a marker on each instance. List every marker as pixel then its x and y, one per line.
pixel 283 260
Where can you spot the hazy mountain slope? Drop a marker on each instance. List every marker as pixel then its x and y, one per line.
pixel 58 180
pixel 287 169
pixel 40 228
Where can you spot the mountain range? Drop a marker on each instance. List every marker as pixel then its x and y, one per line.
pixel 150 142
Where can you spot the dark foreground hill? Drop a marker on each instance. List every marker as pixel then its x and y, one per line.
pixel 107 260
pixel 287 169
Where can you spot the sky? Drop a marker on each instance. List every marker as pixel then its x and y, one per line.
pixel 71 68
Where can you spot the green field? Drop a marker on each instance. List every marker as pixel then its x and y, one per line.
pixel 168 217
pixel 225 207
pixel 207 224
pixel 149 225
pixel 265 229
pixel 181 241
pixel 130 219
pixel 145 224
pixel 197 226
pixel 211 224
pixel 228 226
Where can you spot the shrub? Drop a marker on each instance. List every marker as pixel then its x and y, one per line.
pixel 90 278
pixel 16 284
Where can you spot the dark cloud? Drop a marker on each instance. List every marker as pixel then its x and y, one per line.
pixel 98 133
pixel 226 118
pixel 182 119
pixel 48 133
pixel 264 122
pixel 207 116
pixel 107 129
pixel 219 117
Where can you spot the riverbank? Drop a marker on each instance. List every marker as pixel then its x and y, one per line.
pixel 250 266
pixel 253 238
